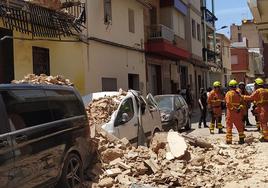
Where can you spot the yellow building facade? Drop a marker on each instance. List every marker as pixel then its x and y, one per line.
pixel 64 55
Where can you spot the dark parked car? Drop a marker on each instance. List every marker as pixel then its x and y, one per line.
pixel 43 136
pixel 174 112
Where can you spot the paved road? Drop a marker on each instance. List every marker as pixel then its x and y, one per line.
pixel 260 177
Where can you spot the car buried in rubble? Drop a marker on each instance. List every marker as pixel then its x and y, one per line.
pixel 136 118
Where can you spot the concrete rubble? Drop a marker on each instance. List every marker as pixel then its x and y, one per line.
pixel 172 160
pixel 150 167
pixel 44 79
pixel 100 111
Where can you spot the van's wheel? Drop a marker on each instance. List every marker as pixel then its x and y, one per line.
pixel 72 172
pixel 188 126
pixel 176 126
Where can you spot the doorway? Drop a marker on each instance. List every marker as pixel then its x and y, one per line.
pixel 134 82
pixel 155 79
pixel 6 57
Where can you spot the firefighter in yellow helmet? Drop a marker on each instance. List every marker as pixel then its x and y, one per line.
pixel 260 96
pixel 215 99
pixel 235 112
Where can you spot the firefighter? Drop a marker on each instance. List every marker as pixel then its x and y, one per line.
pixel 242 90
pixel 215 100
pixel 255 114
pixel 260 96
pixel 235 113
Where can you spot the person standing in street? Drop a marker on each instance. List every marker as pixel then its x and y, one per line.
pixel 260 96
pixel 235 112
pixel 242 90
pixel 203 107
pixel 189 98
pixel 215 100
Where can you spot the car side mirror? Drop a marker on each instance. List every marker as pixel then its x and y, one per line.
pixel 124 118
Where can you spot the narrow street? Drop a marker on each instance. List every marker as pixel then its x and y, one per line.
pixel 258 162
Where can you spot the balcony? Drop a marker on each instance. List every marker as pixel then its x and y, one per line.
pixel 163 41
pixel 76 9
pixel 209 17
pixel 211 55
pixel 161 32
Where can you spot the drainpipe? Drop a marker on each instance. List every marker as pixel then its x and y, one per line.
pixel 214 31
pixel 205 39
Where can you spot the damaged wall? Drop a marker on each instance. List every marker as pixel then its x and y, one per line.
pixel 106 61
pixel 66 58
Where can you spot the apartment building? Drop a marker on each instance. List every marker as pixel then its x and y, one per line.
pixel 116 57
pixel 166 46
pixel 198 69
pixel 248 29
pixel 223 57
pixel 259 10
pixel 209 42
pixel 245 63
pixel 28 45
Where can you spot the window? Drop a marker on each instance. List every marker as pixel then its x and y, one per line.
pixel 63 104
pixel 240 37
pixel 178 103
pixel 109 84
pixel 107 11
pixel 153 15
pixel 131 21
pixel 125 108
pixel 234 59
pixel 183 102
pixel 193 29
pixel 26 108
pixel 198 32
pixel 41 61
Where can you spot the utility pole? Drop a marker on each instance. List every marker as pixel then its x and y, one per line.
pixel 214 31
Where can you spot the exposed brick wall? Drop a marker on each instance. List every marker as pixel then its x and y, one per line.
pixel 239 77
pixel 243 59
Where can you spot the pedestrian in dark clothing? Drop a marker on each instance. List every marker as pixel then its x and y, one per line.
pixel 189 98
pixel 203 107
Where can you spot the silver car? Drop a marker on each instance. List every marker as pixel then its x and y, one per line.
pixel 174 112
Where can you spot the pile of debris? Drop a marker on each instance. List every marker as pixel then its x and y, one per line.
pixel 100 110
pixel 170 162
pixel 44 79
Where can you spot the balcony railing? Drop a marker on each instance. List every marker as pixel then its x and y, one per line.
pixel 161 32
pixel 211 55
pixel 77 10
pixel 209 16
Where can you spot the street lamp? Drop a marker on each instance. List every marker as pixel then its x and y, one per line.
pixel 223 27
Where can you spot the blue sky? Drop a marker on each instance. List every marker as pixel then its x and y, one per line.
pixel 230 11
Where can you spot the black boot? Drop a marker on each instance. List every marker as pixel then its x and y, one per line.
pixel 241 141
pixel 221 131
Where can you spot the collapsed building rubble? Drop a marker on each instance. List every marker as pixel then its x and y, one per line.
pixel 121 164
pixel 171 160
pixel 44 79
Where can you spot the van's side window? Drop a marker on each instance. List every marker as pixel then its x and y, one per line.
pixel 26 108
pixel 125 108
pixel 64 104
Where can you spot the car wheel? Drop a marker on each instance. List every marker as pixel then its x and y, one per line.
pixel 176 126
pixel 72 172
pixel 188 126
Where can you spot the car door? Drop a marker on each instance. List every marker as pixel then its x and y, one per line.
pixel 151 118
pixel 126 120
pixel 36 156
pixel 185 110
pixel 6 150
pixel 178 108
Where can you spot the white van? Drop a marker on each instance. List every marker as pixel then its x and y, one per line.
pixel 134 117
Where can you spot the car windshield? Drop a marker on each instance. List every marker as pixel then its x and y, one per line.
pixel 164 102
pixel 250 88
